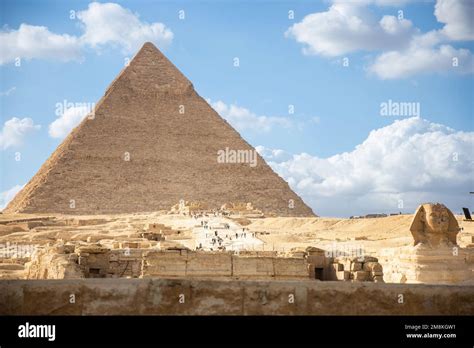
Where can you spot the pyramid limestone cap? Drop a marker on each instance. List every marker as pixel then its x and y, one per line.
pixel 151 72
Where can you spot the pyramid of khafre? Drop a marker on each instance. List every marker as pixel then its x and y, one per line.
pixel 152 142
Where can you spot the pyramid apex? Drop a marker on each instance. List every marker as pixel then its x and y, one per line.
pixel 149 44
pixel 151 72
pixel 149 47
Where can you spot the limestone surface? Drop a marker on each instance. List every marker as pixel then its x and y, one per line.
pixel 151 142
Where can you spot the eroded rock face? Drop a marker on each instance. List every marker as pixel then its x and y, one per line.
pixel 434 225
pixel 53 262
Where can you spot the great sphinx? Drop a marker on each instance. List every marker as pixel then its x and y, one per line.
pixel 434 225
pixel 435 256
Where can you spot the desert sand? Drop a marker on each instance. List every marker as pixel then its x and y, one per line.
pixel 279 234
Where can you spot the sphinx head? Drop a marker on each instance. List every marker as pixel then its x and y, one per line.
pixel 434 224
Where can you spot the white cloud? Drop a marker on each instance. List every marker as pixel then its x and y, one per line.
pixel 402 49
pixel 14 130
pixel 396 3
pixel 37 42
pixel 412 160
pixel 457 15
pixel 393 3
pixel 8 92
pixel 102 25
pixel 273 155
pixel 419 60
pixel 349 27
pixel 110 23
pixel 69 119
pixel 242 118
pixel 8 195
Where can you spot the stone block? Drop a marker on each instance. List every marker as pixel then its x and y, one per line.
pixel 69 248
pixel 378 279
pixel 34 224
pixel 372 267
pixel 91 249
pixel 252 267
pixel 360 276
pixel 347 264
pixel 343 275
pixel 290 268
pixel 209 265
pixel 317 260
pixel 131 245
pixel 11 267
pixel 356 266
pixel 365 258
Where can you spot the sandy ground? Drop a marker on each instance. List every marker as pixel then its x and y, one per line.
pixel 280 233
pixel 285 233
pixel 232 238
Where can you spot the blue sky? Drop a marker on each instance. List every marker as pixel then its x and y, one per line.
pixel 283 62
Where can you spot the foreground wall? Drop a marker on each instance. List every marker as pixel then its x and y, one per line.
pixel 247 265
pixel 208 297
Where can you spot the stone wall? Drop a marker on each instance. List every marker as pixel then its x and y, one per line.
pixel 253 267
pixel 248 265
pixel 89 261
pixel 95 261
pixel 214 297
pixel 423 264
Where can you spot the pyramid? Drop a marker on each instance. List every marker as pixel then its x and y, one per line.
pixel 152 142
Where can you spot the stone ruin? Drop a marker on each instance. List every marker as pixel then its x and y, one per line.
pixel 188 208
pixel 141 247
pixel 435 256
pixel 243 209
pixel 360 268
pixel 363 268
pixel 131 260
